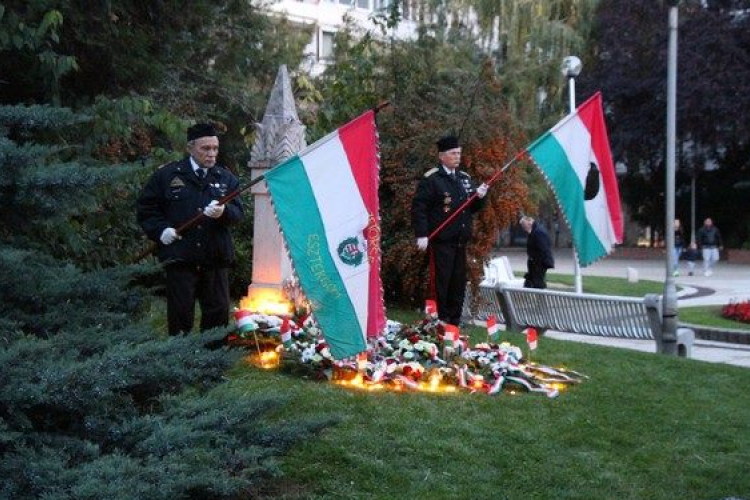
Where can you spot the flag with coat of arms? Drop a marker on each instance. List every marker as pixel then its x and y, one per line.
pixel 326 202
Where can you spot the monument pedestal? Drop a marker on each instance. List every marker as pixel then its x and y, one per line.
pixel 279 136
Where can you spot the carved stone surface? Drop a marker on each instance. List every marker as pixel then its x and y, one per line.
pixel 279 136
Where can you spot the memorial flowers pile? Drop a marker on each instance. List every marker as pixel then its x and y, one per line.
pixel 416 357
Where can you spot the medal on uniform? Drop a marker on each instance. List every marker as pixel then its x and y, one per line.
pixel 447 202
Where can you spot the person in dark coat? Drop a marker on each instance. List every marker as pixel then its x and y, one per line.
pixel 197 260
pixel 710 243
pixel 539 253
pixel 439 193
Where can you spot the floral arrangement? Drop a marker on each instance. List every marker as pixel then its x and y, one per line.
pixel 737 310
pixel 416 357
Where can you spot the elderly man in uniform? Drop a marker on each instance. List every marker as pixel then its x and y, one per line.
pixel 197 260
pixel 439 193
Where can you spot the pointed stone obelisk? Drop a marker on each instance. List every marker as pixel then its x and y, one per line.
pixel 278 137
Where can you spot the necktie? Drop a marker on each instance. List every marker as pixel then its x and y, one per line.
pixel 201 173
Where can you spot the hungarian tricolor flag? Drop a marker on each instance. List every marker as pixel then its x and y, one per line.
pixel 531 338
pixel 326 202
pixel 492 327
pixel 575 158
pixel 430 308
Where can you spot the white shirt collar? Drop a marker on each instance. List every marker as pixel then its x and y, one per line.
pixel 195 166
pixel 449 171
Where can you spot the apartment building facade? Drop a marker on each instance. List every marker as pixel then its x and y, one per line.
pixel 326 17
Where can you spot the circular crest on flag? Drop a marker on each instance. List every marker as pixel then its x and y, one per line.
pixel 351 252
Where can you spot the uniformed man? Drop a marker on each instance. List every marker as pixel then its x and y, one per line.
pixel 197 261
pixel 439 193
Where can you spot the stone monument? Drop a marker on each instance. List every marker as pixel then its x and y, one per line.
pixel 279 136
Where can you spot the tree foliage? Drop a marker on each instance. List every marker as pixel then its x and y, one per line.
pixel 629 65
pixel 434 88
pixel 94 403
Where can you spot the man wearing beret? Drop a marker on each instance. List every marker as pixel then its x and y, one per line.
pixel 439 193
pixel 197 259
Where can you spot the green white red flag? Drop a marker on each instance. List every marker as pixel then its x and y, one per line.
pixel 492 327
pixel 326 202
pixel 531 338
pixel 575 158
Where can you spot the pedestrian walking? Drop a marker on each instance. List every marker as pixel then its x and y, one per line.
pixel 710 243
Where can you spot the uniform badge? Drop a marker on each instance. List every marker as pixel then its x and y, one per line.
pixel 447 202
pixel 176 182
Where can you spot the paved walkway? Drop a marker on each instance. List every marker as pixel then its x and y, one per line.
pixel 728 282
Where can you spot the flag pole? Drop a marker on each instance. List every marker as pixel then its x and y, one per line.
pixel 226 199
pixel 471 198
pixel 571 68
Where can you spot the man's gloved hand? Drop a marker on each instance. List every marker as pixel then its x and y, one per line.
pixel 422 243
pixel 214 210
pixel 169 236
pixel 482 190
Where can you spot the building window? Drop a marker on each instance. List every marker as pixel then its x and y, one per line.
pixel 363 4
pixel 325 48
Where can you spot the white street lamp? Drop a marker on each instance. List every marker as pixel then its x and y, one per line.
pixel 571 68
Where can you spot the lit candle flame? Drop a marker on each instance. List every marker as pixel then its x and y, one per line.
pixel 267 360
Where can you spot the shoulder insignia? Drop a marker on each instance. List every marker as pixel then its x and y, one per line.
pixel 430 172
pixel 162 166
pixel 177 182
pixel 464 174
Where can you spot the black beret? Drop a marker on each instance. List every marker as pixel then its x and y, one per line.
pixel 201 130
pixel 447 142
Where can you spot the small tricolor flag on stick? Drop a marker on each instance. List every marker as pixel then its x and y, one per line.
pixel 430 308
pixel 531 338
pixel 492 328
pixel 244 320
pixel 450 337
pixel 286 333
pixel 450 340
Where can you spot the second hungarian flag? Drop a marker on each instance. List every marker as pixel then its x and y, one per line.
pixel 575 158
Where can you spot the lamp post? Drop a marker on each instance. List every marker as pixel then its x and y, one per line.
pixel 668 342
pixel 571 68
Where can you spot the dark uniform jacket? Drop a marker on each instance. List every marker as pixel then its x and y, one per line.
pixel 172 196
pixel 539 247
pixel 437 197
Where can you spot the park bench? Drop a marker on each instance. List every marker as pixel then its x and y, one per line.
pixel 587 314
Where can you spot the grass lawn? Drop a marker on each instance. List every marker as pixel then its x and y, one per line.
pixel 709 316
pixel 608 286
pixel 642 427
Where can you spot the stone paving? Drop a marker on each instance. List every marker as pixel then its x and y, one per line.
pixel 728 282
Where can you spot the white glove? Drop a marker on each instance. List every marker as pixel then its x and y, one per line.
pixel 482 190
pixel 422 243
pixel 214 210
pixel 169 236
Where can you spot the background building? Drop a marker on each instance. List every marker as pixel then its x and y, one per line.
pixel 328 16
